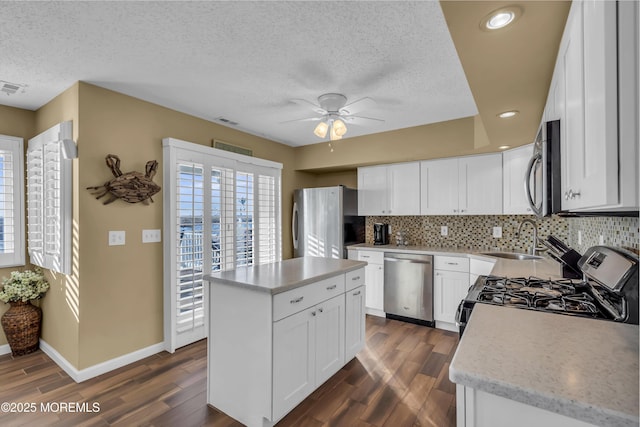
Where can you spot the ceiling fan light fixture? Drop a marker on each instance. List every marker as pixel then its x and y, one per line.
pixel 321 129
pixel 338 127
pixel 333 136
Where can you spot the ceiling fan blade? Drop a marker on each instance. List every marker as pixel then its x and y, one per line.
pixel 311 105
pixel 359 119
pixel 357 106
pixel 308 119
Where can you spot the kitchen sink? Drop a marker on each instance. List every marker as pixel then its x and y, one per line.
pixel 512 255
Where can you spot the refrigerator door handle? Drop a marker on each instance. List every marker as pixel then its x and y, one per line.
pixel 294 225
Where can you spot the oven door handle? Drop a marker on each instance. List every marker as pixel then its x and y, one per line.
pixel 459 314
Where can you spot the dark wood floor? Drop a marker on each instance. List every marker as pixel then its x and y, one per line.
pixel 399 379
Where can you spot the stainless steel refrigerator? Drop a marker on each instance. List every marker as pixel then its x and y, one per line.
pixel 325 221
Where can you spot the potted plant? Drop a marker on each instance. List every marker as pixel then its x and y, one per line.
pixel 21 323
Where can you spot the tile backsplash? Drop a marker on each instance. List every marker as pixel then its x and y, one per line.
pixel 476 231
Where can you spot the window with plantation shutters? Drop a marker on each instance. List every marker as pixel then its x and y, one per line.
pixel 11 202
pixel 49 199
pixel 221 211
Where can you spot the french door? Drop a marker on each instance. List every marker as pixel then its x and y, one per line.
pixel 220 212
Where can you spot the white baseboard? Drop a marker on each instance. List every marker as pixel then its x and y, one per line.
pixel 5 349
pixel 101 368
pixel 375 312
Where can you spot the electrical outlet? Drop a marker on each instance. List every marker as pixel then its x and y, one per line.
pixel 116 238
pixel 151 236
pixel 497 232
pixel 579 237
pixel 444 230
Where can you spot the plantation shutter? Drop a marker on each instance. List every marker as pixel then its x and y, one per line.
pixel 49 199
pixel 11 202
pixel 221 212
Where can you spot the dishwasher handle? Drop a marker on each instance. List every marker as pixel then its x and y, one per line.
pixel 412 258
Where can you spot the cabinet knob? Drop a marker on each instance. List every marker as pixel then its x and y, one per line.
pixel 320 309
pixel 455 210
pixel 313 313
pixel 462 210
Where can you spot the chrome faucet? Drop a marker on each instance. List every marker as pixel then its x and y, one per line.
pixel 534 246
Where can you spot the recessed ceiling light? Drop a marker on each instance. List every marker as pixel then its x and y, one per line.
pixel 508 114
pixel 500 18
pixel 503 147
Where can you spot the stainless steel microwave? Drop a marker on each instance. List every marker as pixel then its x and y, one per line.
pixel 542 181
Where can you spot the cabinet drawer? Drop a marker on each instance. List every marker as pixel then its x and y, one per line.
pixel 298 299
pixel 372 257
pixel 451 263
pixel 353 279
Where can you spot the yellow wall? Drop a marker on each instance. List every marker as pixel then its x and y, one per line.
pixel 444 139
pixel 121 286
pixel 20 123
pixel 61 304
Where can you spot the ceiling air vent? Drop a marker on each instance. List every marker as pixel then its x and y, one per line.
pixel 11 88
pixel 227 121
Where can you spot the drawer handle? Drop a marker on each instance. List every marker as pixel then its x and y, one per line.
pixel 332 287
pixel 365 256
pixel 355 278
pixel 356 293
pixel 296 300
pixel 452 263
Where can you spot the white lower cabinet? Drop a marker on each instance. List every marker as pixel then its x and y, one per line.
pixel 450 286
pixel 308 348
pixel 354 322
pixel 374 279
pixel 267 353
pixel 476 408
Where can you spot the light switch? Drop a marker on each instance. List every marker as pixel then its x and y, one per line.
pixel 151 236
pixel 444 230
pixel 497 232
pixel 116 238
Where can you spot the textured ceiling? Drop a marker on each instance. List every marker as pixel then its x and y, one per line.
pixel 245 61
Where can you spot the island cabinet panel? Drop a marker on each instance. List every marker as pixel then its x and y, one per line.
pixel 270 348
pixel 476 408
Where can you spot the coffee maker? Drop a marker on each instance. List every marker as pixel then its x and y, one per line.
pixel 380 234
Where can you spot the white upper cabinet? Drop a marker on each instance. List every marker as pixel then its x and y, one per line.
pixel 514 169
pixel 596 71
pixel 389 189
pixel 462 186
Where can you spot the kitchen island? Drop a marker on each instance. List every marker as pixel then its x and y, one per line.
pixel 527 368
pixel 278 331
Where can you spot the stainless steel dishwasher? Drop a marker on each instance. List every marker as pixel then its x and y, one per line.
pixel 408 287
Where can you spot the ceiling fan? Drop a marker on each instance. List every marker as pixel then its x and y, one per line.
pixel 335 113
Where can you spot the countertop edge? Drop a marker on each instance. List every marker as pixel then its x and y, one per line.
pixel 289 286
pixel 570 408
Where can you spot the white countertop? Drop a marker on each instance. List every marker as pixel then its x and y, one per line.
pixel 285 275
pixel 544 268
pixel 582 368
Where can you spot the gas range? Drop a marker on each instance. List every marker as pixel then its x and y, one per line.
pixel 608 291
pixel 567 296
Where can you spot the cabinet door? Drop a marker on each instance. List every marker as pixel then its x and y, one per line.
pixel 439 187
pixel 374 281
pixel 330 337
pixel 404 189
pixel 355 322
pixel 449 288
pixel 590 155
pixel 294 360
pixel 480 185
pixel 373 198
pixel 514 169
